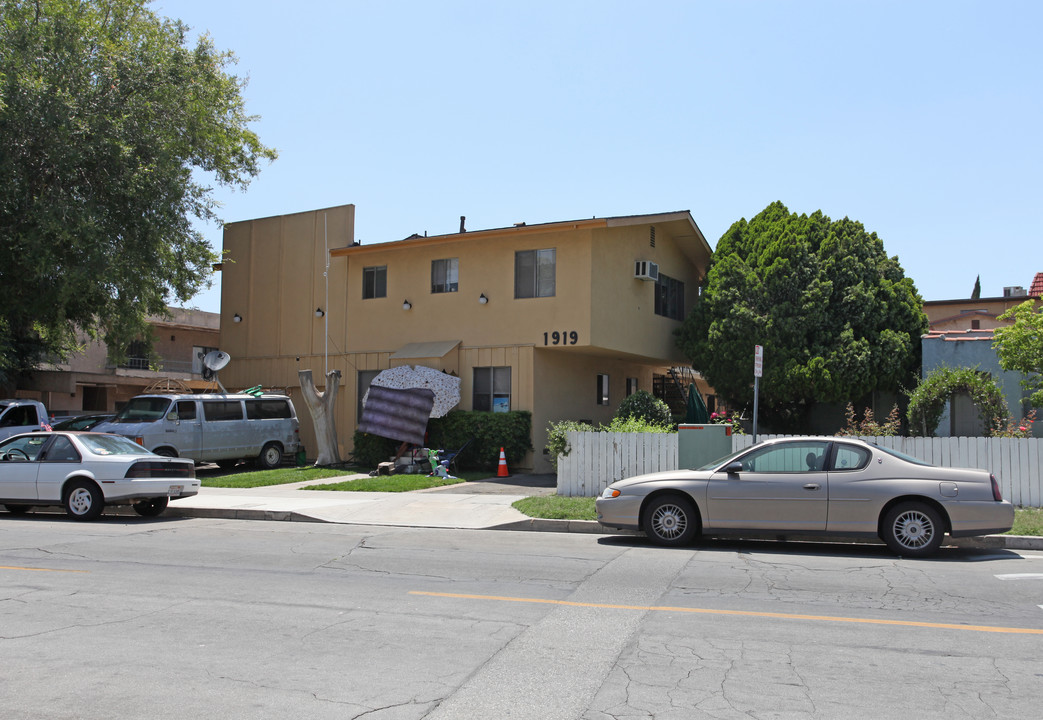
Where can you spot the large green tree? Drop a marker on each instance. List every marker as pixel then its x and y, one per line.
pixel 1020 347
pixel 836 316
pixel 112 126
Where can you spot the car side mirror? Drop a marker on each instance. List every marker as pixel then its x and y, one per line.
pixel 173 417
pixel 733 468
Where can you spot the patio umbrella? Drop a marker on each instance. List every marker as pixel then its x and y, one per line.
pixel 446 387
pixel 696 412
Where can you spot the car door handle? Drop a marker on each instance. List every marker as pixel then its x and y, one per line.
pixel 812 486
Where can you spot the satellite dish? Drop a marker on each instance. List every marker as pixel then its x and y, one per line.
pixel 212 362
pixel 216 360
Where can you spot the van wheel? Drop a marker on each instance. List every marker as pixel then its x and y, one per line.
pixel 165 452
pixel 270 457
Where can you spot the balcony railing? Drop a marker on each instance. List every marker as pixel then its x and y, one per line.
pixel 156 365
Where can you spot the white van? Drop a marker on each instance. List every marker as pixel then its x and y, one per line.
pixel 211 428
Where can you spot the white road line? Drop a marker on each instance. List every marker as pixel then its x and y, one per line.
pixel 1020 576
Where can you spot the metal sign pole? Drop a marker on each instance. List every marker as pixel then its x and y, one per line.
pixel 758 371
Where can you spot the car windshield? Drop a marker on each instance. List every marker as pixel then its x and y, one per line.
pixel 143 409
pixel 903 456
pixel 722 460
pixel 101 444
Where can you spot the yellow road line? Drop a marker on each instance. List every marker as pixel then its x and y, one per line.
pixel 743 613
pixel 13 567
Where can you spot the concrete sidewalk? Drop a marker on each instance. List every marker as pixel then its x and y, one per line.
pixel 484 505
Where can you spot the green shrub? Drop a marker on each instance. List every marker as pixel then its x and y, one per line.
pixel 557 443
pixel 487 431
pixel 371 450
pixel 645 406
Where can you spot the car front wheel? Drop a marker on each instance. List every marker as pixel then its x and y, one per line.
pixel 671 520
pixel 913 529
pixel 84 501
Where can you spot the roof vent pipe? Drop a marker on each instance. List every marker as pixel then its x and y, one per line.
pixel 462 219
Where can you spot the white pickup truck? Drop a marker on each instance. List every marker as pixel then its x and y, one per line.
pixel 18 416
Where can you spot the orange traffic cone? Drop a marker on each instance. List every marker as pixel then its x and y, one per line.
pixel 502 470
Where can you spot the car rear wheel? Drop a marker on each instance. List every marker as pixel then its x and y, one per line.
pixel 913 529
pixel 18 509
pixel 84 501
pixel 270 457
pixel 671 520
pixel 151 508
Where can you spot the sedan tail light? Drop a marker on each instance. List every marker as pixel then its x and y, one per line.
pixel 158 470
pixel 996 494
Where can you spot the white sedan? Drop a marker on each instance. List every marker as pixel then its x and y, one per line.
pixel 83 472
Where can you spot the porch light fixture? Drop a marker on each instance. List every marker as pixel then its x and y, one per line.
pixel 237 318
pixel 406 305
pixel 319 313
pixel 482 299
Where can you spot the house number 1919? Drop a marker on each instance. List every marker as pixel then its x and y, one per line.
pixel 565 337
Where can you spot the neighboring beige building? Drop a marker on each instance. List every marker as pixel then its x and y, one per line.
pixel 980 314
pixel 89 382
pixel 547 318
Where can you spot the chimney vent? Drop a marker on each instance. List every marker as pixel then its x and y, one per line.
pixel 463 219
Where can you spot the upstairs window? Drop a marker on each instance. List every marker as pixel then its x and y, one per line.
pixel 374 282
pixel 669 297
pixel 445 275
pixel 534 273
pixel 602 391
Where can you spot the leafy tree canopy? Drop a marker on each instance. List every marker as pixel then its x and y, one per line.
pixel 836 316
pixel 1020 347
pixel 110 127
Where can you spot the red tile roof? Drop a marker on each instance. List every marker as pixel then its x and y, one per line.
pixel 1037 285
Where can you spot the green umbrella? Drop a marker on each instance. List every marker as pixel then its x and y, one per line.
pixel 696 412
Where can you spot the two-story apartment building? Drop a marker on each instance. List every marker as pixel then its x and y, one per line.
pixel 562 319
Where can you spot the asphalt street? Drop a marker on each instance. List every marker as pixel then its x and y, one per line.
pixel 191 617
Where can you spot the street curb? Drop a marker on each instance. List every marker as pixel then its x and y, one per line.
pixel 589 527
pixel 242 514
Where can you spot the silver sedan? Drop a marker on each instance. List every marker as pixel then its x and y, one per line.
pixel 810 486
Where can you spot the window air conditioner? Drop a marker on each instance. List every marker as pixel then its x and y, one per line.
pixel 646 270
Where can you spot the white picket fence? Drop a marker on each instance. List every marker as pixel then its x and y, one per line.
pixel 597 459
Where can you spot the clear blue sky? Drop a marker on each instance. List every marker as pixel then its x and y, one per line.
pixel 920 119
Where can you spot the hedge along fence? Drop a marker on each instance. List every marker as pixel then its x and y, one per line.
pixel 598 459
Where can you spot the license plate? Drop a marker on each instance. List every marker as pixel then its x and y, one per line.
pixel 175 490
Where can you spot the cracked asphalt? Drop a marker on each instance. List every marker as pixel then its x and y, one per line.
pixel 196 617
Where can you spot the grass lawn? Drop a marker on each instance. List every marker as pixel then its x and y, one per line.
pixel 1027 521
pixel 556 507
pixel 278 476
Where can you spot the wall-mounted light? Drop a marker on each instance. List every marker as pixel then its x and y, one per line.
pixel 482 299
pixel 406 305
pixel 237 318
pixel 319 313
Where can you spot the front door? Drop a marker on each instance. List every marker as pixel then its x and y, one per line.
pixel 781 487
